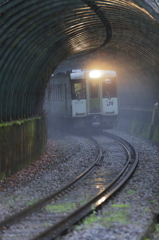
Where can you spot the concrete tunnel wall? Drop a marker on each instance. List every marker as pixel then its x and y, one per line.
pixel 36 36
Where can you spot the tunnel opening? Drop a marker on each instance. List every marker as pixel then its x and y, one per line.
pixel 40 38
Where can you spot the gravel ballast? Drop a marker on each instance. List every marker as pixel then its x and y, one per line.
pixel 129 214
pixel 126 216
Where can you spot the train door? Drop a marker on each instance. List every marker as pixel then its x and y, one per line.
pixel 94 96
pixel 78 89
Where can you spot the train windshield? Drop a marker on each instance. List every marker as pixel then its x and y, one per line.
pixel 78 89
pixel 109 88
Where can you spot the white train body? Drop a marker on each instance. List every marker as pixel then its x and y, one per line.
pixel 85 97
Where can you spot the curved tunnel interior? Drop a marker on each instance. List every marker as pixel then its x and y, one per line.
pixel 36 36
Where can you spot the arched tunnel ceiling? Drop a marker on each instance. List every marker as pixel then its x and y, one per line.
pixel 36 36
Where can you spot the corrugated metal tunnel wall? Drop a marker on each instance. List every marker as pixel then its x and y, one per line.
pixel 36 36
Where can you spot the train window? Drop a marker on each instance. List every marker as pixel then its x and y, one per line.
pixel 109 88
pixel 58 92
pixel 60 95
pixel 54 92
pixel 78 89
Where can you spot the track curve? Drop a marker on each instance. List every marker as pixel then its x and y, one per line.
pixel 6 223
pixel 123 176
pixel 58 227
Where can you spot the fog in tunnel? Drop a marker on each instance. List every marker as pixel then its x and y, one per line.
pixel 39 38
pixel 132 50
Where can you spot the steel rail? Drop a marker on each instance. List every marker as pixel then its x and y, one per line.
pixel 94 203
pixel 34 207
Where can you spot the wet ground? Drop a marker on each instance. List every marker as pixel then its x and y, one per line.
pixel 126 216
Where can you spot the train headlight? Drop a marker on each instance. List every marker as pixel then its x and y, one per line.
pixel 95 73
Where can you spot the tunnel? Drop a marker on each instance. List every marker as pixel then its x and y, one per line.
pixel 41 37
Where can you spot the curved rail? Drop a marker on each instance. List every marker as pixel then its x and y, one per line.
pixel 123 176
pixel 14 218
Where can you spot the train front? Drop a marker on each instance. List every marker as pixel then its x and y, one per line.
pixel 94 98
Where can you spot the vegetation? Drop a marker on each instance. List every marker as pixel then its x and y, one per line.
pixel 60 207
pixel 118 214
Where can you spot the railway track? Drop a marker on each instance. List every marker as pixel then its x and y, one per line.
pixel 48 224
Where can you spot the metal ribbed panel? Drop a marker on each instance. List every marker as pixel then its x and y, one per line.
pixel 35 36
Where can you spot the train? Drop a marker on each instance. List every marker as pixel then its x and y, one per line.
pixel 84 98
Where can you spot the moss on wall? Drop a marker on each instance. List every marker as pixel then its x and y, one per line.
pixel 138 121
pixel 146 130
pixel 136 126
pixel 155 136
pixel 22 142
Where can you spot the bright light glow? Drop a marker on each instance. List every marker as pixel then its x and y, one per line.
pixel 100 201
pixel 95 73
